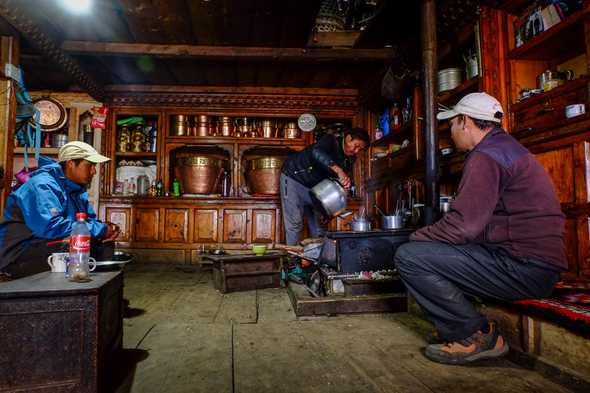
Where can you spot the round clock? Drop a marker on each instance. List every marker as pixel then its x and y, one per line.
pixel 306 122
pixel 53 114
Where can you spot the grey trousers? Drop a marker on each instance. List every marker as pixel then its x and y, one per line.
pixel 297 204
pixel 441 276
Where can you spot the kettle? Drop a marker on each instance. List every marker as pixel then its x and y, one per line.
pixel 329 197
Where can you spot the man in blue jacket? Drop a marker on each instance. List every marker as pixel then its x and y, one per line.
pixel 44 209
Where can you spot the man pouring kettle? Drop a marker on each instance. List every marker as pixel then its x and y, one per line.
pixel 332 156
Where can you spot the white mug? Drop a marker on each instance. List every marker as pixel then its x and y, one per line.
pixel 58 262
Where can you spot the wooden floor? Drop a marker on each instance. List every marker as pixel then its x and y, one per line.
pixel 182 335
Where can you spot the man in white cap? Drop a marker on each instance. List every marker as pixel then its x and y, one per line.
pixel 43 210
pixel 502 238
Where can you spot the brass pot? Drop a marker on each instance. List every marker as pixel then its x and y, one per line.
pixel 268 129
pixel 202 129
pixel 225 126
pixel 180 125
pixel 199 174
pixel 263 175
pixel 291 130
pixel 200 119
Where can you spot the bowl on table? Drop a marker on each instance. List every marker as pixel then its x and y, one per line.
pixel 259 249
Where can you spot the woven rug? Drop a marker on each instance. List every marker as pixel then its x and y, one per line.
pixel 568 308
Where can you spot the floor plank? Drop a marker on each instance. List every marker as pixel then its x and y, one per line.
pixel 188 337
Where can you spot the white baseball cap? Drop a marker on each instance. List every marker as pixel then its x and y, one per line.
pixel 480 106
pixel 80 150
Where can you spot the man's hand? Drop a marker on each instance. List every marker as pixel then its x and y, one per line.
pixel 342 177
pixel 113 232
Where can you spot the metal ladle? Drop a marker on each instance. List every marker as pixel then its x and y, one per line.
pixel 379 210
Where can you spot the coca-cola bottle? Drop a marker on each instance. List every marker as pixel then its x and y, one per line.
pixel 78 262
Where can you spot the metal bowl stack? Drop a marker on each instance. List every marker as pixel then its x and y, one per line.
pixel 448 79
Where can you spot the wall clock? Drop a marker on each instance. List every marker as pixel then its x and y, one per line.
pixel 53 114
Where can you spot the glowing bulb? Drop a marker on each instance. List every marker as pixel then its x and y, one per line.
pixel 77 6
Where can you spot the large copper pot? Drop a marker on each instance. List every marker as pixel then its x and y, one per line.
pixel 199 174
pixel 263 175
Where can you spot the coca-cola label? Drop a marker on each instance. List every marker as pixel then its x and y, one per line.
pixel 80 243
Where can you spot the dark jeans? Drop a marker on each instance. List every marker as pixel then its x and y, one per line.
pixel 441 276
pixel 297 204
pixel 34 258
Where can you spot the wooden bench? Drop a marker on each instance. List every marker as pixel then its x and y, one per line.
pixel 56 335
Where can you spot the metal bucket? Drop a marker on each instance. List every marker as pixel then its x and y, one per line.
pixel 199 174
pixel 263 175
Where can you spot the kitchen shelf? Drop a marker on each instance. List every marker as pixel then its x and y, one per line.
pixel 394 135
pixel 556 42
pixel 451 97
pixel 216 140
pixel 136 154
pixel 43 150
pixel 558 91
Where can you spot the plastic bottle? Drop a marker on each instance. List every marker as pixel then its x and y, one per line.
pixel 395 117
pixel 78 267
pixel 160 188
pixel 176 188
pixel 226 185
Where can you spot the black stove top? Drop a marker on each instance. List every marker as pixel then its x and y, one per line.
pixel 373 233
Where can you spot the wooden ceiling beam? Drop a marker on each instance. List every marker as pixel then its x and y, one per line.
pixel 226 52
pixel 19 19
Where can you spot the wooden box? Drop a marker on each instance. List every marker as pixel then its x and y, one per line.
pixel 59 336
pixel 243 272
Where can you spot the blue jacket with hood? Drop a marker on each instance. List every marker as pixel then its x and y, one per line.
pixel 44 207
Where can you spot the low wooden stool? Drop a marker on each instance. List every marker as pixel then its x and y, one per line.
pixel 246 271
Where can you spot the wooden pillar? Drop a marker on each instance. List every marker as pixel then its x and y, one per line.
pixel 9 54
pixel 429 80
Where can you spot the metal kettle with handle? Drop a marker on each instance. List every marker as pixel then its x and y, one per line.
pixel 329 196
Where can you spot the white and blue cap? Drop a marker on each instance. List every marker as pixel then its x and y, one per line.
pixel 480 106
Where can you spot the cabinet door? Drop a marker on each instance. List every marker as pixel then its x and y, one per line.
pixel 147 224
pixel 205 226
pixel 120 216
pixel 176 225
pixel 263 226
pixel 235 225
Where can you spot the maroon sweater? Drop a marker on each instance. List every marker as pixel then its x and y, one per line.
pixel 507 200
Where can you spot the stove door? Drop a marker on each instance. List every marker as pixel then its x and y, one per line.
pixel 368 254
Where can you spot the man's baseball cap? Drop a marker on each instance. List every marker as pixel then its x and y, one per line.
pixel 76 150
pixel 480 106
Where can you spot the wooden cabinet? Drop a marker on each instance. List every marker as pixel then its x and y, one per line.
pixel 122 217
pixel 235 225
pixel 147 224
pixel 263 226
pixel 176 225
pixel 206 223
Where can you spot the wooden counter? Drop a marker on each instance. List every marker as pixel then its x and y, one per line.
pixel 58 336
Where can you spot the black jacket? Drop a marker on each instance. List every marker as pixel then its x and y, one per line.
pixel 312 165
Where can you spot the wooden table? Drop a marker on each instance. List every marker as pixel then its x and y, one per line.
pixel 246 271
pixel 59 336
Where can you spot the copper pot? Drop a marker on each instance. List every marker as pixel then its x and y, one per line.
pixel 199 174
pixel 202 129
pixel 268 129
pixel 180 125
pixel 291 130
pixel 225 126
pixel 200 119
pixel 263 175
